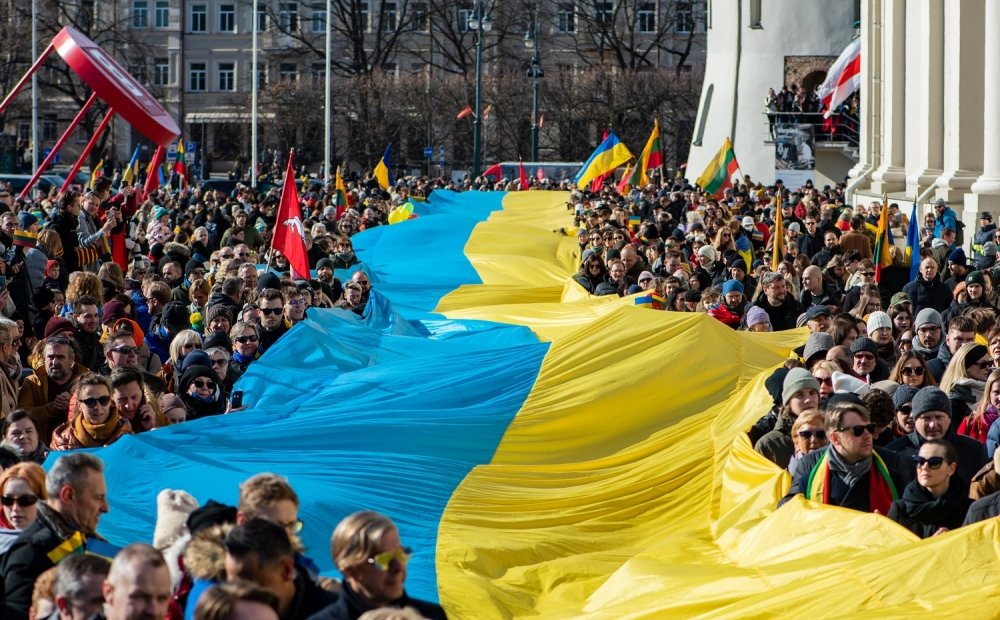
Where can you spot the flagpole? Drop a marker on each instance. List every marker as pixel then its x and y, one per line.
pixel 253 94
pixel 326 106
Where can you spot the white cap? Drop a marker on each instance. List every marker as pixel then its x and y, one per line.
pixel 707 251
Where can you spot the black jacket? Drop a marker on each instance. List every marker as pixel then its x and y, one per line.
pixel 923 514
pixel 971 453
pixel 350 607
pixel 28 558
pixel 926 294
pixel 785 315
pixel 310 599
pixel 983 508
pixel 91 349
pixel 855 497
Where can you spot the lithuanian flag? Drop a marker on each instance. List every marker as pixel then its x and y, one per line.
pixel 652 155
pixel 96 173
pixel 339 194
pixel 719 173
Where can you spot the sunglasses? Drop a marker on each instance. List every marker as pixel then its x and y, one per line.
pixel 984 365
pixel 93 402
pixel 381 561
pixel 21 500
pixel 933 462
pixel 225 256
pixel 868 274
pixel 820 435
pixel 917 371
pixel 858 429
pixel 644 280
pixel 125 350
pixel 204 384
pixel 825 381
pixel 246 339
pixel 269 311
pixel 907 409
pixel 220 362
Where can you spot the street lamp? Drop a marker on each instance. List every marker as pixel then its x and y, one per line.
pixel 480 22
pixel 535 73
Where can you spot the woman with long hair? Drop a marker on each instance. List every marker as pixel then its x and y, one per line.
pixel 911 369
pixel 870 301
pixel 964 380
pixel 977 424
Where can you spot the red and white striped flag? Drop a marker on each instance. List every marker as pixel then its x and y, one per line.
pixel 843 78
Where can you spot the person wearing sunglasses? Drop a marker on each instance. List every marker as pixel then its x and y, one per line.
pixel 937 500
pixel 931 412
pixel 260 551
pixel 902 399
pixel 96 421
pixel 851 472
pixel 245 336
pixel 808 435
pixel 965 379
pixel 270 311
pixel 911 370
pixel 21 487
pixel 592 271
pixel 367 550
pixel 200 389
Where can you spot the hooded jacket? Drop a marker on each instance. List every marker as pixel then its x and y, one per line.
pixel 777 446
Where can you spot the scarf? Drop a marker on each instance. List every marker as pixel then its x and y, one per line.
pixel 968 390
pixel 948 510
pixel 881 489
pixel 240 358
pixel 95 435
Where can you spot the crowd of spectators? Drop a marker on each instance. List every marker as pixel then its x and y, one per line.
pixel 124 314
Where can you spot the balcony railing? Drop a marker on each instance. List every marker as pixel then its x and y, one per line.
pixel 839 129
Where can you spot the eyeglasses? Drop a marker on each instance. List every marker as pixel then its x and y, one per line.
pixel 269 311
pixel 125 350
pixel 295 526
pixel 858 429
pixel 912 371
pixel 929 329
pixel 934 462
pixel 820 435
pixel 363 282
pixel 246 339
pixel 864 356
pixel 381 561
pixel 644 280
pixel 868 274
pixel 297 302
pixel 204 384
pixel 21 500
pixel 220 362
pixel 93 402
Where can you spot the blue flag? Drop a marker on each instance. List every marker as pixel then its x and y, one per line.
pixel 913 243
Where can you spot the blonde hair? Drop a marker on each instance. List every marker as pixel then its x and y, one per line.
pixel 264 490
pixel 357 536
pixel 183 337
pixel 957 368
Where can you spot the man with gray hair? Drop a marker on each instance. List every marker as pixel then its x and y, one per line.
pixel 782 308
pixel 77 499
pixel 138 587
pixel 76 590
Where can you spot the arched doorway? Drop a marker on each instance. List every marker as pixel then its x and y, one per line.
pixel 812 80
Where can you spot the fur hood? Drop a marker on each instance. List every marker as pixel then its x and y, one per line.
pixel 205 557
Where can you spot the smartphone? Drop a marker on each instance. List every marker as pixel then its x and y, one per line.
pixel 236 399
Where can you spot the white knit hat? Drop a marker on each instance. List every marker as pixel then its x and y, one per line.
pixel 172 510
pixel 707 251
pixel 878 320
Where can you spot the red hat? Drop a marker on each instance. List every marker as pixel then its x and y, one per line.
pixel 49 265
pixel 58 325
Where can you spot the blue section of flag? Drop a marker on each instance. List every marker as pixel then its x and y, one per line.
pixel 913 243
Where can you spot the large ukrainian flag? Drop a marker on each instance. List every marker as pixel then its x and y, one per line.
pixel 547 454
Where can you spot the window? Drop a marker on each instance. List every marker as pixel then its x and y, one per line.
pixel 261 18
pixel 49 133
pixel 603 13
pixel 645 19
pixel 227 76
pixel 566 19
pixel 86 15
pixel 288 17
pixel 161 71
pixel 418 18
pixel 755 14
pixel 82 135
pixel 317 72
pixel 319 18
pixel 227 18
pixel 197 77
pixel 389 16
pixel 161 14
pixel 140 14
pixel 288 72
pixel 199 18
pixel 463 18
pixel 684 18
pixel 361 15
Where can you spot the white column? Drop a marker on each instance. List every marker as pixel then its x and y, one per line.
pixel 891 175
pixel 986 190
pixel 963 102
pixel 870 101
pixel 924 94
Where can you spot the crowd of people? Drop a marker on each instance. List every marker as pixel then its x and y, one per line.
pixel 124 314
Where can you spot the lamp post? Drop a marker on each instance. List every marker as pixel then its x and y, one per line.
pixel 480 22
pixel 535 74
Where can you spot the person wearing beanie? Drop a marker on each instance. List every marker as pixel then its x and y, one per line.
pixel 974 297
pixel 927 291
pixel 865 362
pixel 218 318
pixel 879 328
pixel 927 331
pixel 173 319
pixel 799 393
pixel 902 400
pixel 958 268
pixel 738 271
pixel 931 413
pixel 766 423
pixel 852 472
pixel 173 508
pixel 734 301
pixel 758 320
pixel 200 390
pixel 986 234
